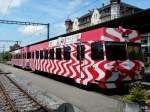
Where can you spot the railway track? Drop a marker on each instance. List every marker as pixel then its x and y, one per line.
pixel 15 99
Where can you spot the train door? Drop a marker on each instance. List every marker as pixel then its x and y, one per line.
pixel 80 58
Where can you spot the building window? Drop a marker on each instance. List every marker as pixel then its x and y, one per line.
pixel 80 52
pixel 51 53
pixel 37 54
pixel 67 51
pixel 58 54
pixel 41 54
pixel 95 16
pixel 97 51
pixel 45 54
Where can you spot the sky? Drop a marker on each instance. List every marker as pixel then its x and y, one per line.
pixel 54 12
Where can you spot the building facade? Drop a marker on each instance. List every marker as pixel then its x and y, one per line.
pixel 146 47
pixel 114 10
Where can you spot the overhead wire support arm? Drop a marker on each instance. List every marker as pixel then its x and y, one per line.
pixel 26 23
pixel 11 41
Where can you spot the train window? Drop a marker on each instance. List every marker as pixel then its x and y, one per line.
pixel 24 55
pixel 33 55
pixel 58 54
pixel 45 54
pixel 28 55
pixel 67 51
pixel 19 56
pixel 134 51
pixel 41 54
pixel 51 53
pixel 80 52
pixel 37 54
pixel 97 51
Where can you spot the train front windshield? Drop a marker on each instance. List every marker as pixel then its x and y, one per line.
pixel 123 51
pixel 134 51
pixel 116 51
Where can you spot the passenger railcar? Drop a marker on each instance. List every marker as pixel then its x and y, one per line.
pixel 20 57
pixel 107 57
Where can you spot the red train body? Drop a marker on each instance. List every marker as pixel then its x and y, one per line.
pixel 104 56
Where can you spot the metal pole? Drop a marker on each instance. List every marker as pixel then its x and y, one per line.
pixel 48 30
pixel 3 53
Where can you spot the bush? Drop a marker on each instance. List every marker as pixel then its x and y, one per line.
pixel 136 94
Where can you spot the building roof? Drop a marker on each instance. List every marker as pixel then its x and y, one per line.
pixel 86 15
pixel 104 7
pixel 129 5
pixel 108 6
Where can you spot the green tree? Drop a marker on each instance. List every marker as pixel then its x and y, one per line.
pixel 6 56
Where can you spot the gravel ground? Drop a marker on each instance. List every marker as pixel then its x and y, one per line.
pixel 87 101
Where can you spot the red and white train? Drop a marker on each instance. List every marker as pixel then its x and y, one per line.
pixel 107 57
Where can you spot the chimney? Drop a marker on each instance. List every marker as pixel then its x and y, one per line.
pixel 68 24
pixel 103 4
pixel 115 1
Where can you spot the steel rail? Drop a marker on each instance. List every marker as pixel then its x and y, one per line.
pixel 45 109
pixel 8 99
